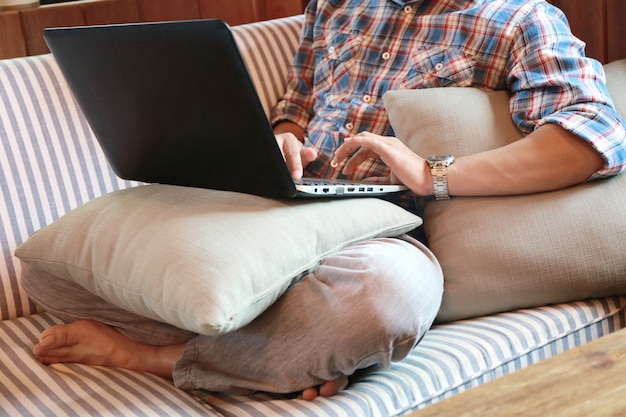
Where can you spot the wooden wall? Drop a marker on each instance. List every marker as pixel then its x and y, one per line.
pixel 21 31
pixel 600 23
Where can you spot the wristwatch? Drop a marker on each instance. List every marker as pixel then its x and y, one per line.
pixel 439 170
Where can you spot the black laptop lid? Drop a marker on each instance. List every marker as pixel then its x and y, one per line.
pixel 172 103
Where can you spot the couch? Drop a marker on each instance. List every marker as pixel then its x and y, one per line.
pixel 50 164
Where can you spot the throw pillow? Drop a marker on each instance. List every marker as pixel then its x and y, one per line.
pixel 505 253
pixel 202 260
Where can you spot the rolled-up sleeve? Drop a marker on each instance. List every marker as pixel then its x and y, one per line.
pixel 552 81
pixel 297 103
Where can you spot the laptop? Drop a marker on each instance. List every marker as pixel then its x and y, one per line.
pixel 173 103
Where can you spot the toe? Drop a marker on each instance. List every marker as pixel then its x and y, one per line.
pixel 309 394
pixel 330 388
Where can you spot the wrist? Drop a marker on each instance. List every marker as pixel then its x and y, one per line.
pixel 290 127
pixel 439 173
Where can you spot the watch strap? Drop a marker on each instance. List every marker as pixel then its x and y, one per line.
pixel 439 172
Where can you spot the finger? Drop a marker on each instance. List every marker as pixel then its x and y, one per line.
pixel 368 140
pixel 308 155
pixel 344 151
pixel 357 159
pixel 291 148
pixel 294 162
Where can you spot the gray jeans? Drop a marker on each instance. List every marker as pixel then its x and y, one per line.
pixel 368 304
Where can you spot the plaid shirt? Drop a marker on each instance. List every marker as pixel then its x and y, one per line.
pixel 353 51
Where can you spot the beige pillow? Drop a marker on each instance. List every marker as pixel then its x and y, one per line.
pixel 203 260
pixel 435 121
pixel 505 253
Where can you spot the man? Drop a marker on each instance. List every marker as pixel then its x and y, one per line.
pixel 355 310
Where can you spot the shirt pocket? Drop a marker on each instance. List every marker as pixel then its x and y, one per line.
pixel 336 56
pixel 436 67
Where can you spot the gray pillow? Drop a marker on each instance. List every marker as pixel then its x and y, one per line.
pixel 202 260
pixel 505 253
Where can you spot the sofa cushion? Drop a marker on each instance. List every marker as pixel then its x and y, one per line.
pixel 503 253
pixel 449 359
pixel 203 260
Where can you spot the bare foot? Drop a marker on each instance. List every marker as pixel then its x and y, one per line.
pixel 93 343
pixel 327 389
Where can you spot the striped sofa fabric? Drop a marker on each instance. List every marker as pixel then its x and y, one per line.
pixel 50 164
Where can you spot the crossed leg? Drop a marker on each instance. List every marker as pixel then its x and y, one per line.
pixel 366 304
pixel 91 342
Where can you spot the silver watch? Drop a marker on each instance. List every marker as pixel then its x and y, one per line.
pixel 439 170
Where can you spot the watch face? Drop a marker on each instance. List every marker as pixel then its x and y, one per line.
pixel 441 158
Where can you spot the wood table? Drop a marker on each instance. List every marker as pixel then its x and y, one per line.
pixel 589 380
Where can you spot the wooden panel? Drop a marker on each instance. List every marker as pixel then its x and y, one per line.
pixel 582 382
pixel 159 10
pixel 37 19
pixel 23 36
pixel 271 9
pixel 234 12
pixel 616 29
pixel 111 11
pixel 587 19
pixel 12 42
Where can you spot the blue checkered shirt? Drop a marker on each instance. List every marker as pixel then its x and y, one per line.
pixel 353 51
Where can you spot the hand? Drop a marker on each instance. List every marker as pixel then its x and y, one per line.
pixel 406 166
pixel 296 155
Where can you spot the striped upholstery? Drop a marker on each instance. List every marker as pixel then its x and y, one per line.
pixel 50 163
pixel 29 388
pixel 450 359
pixel 267 49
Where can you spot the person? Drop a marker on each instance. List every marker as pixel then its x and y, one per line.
pixel 354 310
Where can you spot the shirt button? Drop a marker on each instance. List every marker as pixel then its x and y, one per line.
pixel 439 66
pixel 408 9
pixel 349 126
pixel 331 50
pixel 367 98
pixel 386 56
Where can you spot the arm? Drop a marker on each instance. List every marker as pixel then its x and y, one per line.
pixel 292 113
pixel 575 133
pixel 548 159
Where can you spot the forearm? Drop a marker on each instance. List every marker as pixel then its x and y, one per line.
pixel 550 158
